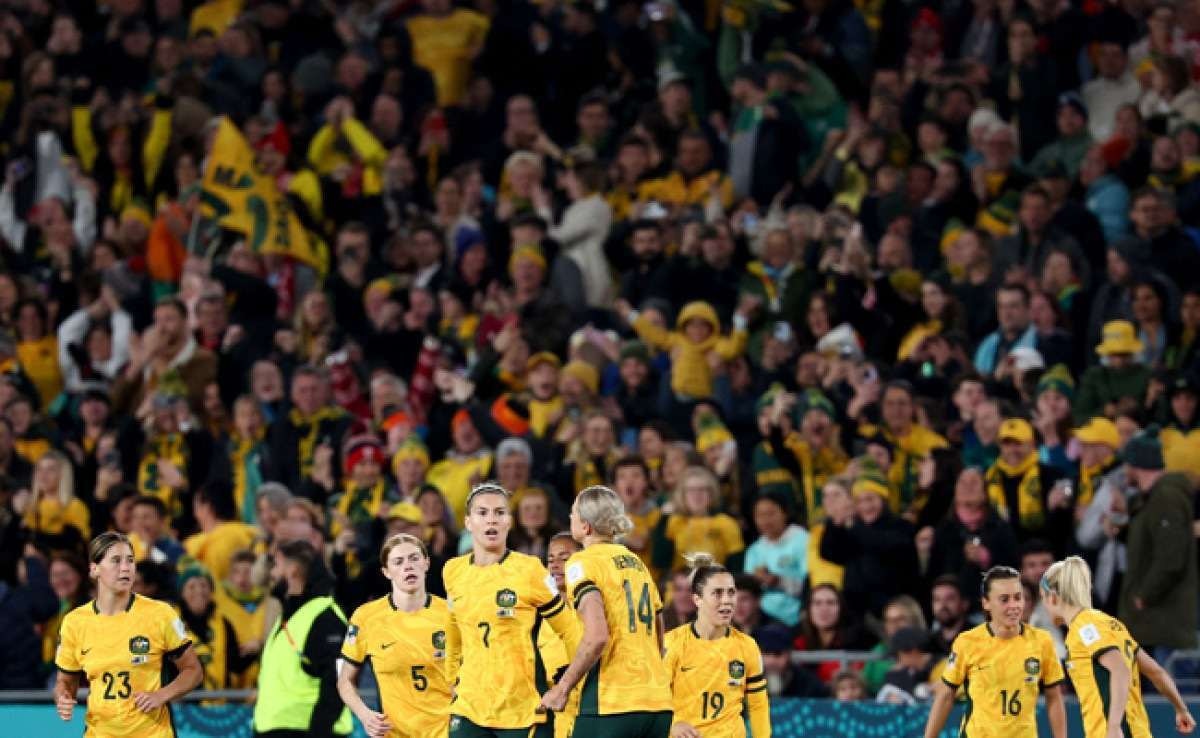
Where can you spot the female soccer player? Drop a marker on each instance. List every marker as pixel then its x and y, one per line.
pixel 1002 664
pixel 716 670
pixel 626 691
pixel 498 600
pixel 562 547
pixel 1104 661
pixel 404 635
pixel 121 641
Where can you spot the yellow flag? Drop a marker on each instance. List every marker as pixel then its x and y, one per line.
pixel 243 199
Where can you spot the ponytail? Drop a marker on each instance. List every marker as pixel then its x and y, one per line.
pixel 601 508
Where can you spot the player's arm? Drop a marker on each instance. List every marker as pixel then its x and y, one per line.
pixel 939 711
pixel 591 646
pixel 1119 679
pixel 756 696
pixel 66 687
pixel 1165 685
pixel 374 723
pixel 1056 711
pixel 453 650
pixel 190 675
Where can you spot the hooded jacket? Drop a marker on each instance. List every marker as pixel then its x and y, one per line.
pixel 691 376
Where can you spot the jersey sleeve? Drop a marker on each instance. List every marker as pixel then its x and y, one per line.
pixel 1052 669
pixel 354 646
pixel 1097 639
pixel 671 657
pixel 553 608
pixel 543 590
pixel 174 633
pixel 580 577
pixel 955 672
pixel 66 657
pixel 756 692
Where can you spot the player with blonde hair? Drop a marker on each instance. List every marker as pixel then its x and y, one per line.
pixel 626 691
pixel 1104 661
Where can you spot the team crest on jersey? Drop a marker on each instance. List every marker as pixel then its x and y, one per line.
pixel 1114 625
pixel 139 645
pixel 506 600
pixel 439 644
pixel 737 671
pixel 1032 667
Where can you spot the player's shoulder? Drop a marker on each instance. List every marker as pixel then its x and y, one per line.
pixel 972 637
pixel 455 566
pixel 437 605
pixel 80 614
pixel 742 639
pixel 677 635
pixel 151 608
pixel 522 562
pixel 1040 635
pixel 370 610
pixel 1090 627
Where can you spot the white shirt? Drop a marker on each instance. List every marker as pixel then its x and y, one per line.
pixel 1103 97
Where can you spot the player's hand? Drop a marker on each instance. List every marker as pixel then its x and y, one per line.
pixel 376 724
pixel 1184 722
pixel 65 704
pixel 683 730
pixel 553 701
pixel 149 701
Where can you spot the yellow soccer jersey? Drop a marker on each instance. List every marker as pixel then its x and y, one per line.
pixel 630 675
pixel 1002 678
pixel 496 616
pixel 408 653
pixel 122 655
pixel 715 682
pixel 1091 634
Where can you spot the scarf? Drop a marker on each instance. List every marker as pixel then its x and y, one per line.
pixel 170 447
pixel 772 280
pixel 308 427
pixel 359 504
pixel 816 469
pixel 592 470
pixel 244 457
pixel 542 413
pixel 1090 478
pixel 1030 511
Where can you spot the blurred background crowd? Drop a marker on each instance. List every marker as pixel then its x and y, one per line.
pixel 861 296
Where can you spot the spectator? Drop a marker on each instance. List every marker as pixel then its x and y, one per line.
pixel 54 515
pixel 909 681
pixel 220 534
pixel 828 626
pixel 874 546
pixel 165 349
pixel 949 607
pixel 848 686
pixel 150 536
pixel 582 230
pixel 533 526
pixel 1026 493
pixel 23 607
pixel 784 679
pixel 902 612
pixel 974 537
pixel 1122 379
pixel 1157 592
pixel 694 524
pixel 212 634
pixel 778 560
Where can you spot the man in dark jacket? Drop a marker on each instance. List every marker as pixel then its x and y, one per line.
pixel 22 607
pixel 764 148
pixel 310 424
pixel 1158 594
pixel 973 538
pixel 875 547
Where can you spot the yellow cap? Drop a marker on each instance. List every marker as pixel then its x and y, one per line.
pixel 1099 430
pixel 1016 429
pixel 405 511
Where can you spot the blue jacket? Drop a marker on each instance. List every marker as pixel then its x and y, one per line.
pixel 985 356
pixel 1108 199
pixel 21 608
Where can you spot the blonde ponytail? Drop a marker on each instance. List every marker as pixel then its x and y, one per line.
pixel 1071 580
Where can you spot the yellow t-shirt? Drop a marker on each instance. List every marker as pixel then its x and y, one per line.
pixel 1002 678
pixel 121 655
pixel 215 548
pixel 39 359
pixel 48 515
pixel 716 683
pixel 717 534
pixel 630 675
pixel 495 614
pixel 249 625
pixel 408 653
pixel 444 45
pixel 1091 634
pixel 452 477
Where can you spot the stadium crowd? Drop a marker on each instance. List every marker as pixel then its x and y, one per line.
pixel 860 297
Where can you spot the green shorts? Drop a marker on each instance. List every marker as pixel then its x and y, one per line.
pixel 625 725
pixel 460 727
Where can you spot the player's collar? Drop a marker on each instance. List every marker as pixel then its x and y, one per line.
pixel 428 601
pixel 692 625
pixel 128 607
pixel 992 633
pixel 501 560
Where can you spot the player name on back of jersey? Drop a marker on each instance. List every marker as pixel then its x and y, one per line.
pixel 628 561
